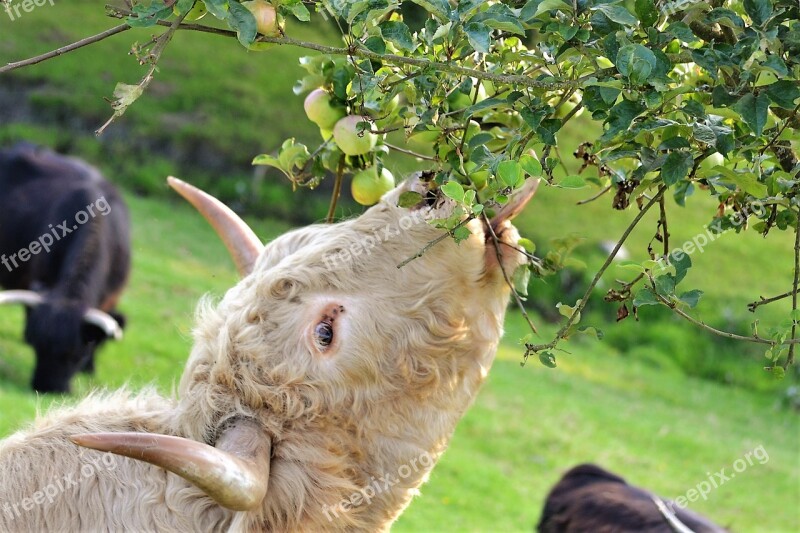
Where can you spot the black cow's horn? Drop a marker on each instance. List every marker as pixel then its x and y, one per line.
pixel 21 297
pixel 105 322
pixel 97 317
pixel 235 473
pixel 242 243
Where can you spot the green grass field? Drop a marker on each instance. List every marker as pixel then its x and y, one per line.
pixel 658 401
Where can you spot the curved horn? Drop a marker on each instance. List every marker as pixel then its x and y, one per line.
pixel 29 298
pixel 243 245
pixel 235 473
pixel 105 322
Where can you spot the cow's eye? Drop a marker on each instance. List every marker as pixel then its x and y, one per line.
pixel 323 334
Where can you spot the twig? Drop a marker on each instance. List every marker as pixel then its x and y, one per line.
pixel 337 189
pixel 680 312
pixel 361 51
pixel 790 357
pixel 153 57
pixel 752 306
pixel 778 134
pixel 499 256
pixel 562 332
pixel 65 49
pixel 596 196
pixel 409 152
pixel 435 241
pixel 663 223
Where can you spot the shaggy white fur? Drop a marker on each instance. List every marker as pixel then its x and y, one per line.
pixel 410 348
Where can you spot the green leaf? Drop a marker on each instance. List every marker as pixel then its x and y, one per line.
pixel 454 190
pixel 438 8
pixel 753 110
pixel 646 11
pixel 620 117
pixel 682 263
pixel 645 297
pixel 530 165
pixel 461 233
pixel 636 62
pixel 746 181
pixel 409 199
pixel 676 167
pixel 784 93
pixel 240 19
pixel 509 172
pixel 299 10
pixel 398 33
pixel 691 298
pixel 591 331
pixel 665 285
pixel 617 13
pixel 758 10
pixel 572 182
pixel 520 279
pixel 778 372
pixel 547 359
pixel 479 35
pixel 527 245
pixel 218 8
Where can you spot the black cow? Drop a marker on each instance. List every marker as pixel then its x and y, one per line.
pixel 65 255
pixel 589 498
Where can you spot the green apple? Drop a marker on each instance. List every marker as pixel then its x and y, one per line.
pixel 368 186
pixel 321 110
pixel 266 17
pixel 711 161
pixel 325 134
pixel 349 139
pixel 197 12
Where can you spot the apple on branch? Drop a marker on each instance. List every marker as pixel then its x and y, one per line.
pixel 350 140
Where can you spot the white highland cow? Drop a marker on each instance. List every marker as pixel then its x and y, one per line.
pixel 319 393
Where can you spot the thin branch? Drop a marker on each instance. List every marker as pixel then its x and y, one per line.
pixel 752 306
pixel 499 256
pixel 680 312
pixel 65 49
pixel 780 131
pixel 153 57
pixel 435 241
pixel 790 357
pixel 409 152
pixel 337 190
pixel 596 196
pixel 562 332
pixel 663 223
pixel 360 51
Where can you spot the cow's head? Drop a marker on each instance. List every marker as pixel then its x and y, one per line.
pixel 63 333
pixel 328 340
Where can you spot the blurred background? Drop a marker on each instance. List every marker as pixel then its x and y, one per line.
pixel 657 400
